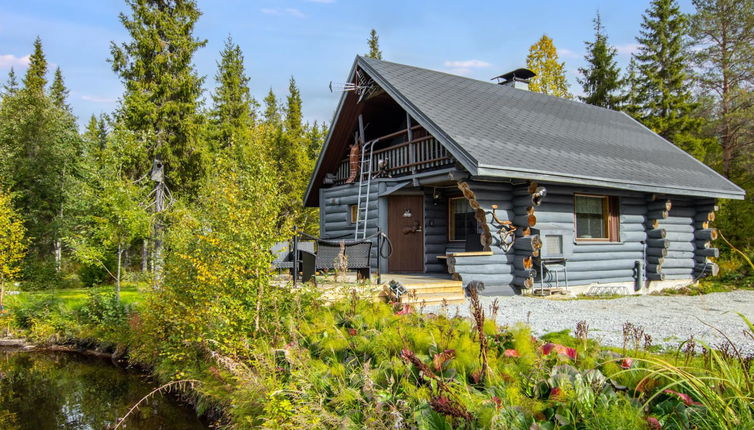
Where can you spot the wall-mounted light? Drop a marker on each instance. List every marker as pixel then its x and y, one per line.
pixel 435 196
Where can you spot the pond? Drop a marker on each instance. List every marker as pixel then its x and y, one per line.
pixel 60 390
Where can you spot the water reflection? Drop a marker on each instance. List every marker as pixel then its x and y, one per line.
pixel 41 391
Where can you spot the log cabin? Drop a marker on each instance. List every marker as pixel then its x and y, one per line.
pixel 487 181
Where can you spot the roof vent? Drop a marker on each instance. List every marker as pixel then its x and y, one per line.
pixel 518 78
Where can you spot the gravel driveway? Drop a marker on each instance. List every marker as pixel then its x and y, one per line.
pixel 668 319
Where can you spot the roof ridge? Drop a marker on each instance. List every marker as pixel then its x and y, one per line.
pixel 532 93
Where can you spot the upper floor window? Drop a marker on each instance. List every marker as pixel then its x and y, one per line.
pixel 596 218
pixel 461 220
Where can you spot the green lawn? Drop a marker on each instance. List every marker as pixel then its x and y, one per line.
pixel 74 297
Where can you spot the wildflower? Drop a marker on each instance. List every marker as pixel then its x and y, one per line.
pixel 441 358
pixel 352 331
pixel 560 349
pixel 687 400
pixel 497 401
pixel 653 423
pixel 556 393
pixel 627 363
pixel 405 311
pixel 448 407
pixel 511 353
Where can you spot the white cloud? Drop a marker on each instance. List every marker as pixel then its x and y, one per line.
pixel 10 60
pixel 95 99
pixel 284 11
pixel 627 48
pixel 567 53
pixel 466 64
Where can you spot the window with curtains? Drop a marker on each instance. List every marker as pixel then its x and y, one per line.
pixel 596 218
pixel 460 219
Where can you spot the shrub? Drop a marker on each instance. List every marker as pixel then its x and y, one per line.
pixel 40 274
pixel 37 308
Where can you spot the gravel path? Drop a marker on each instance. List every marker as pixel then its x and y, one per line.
pixel 668 319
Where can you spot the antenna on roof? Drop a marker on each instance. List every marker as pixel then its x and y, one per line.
pixel 363 86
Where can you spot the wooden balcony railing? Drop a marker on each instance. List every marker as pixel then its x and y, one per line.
pixel 407 158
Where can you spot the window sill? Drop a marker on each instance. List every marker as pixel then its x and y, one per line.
pixel 597 242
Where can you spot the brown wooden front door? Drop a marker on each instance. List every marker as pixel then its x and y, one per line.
pixel 405 228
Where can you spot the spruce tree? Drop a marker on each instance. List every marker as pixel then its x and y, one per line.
pixel 271 108
pixel 543 60
pixel 59 92
pixel 41 148
pixel 35 79
pixel 162 88
pixel 293 115
pixel 11 85
pixel 662 94
pixel 234 109
pixel 374 46
pixel 601 79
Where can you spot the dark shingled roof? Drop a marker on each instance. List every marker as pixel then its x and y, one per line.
pixel 499 131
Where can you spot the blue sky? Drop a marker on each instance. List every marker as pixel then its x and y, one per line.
pixel 316 40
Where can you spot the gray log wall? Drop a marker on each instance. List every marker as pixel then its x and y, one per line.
pixel 435 232
pixel 335 214
pixel 676 231
pixel 595 262
pixel 496 270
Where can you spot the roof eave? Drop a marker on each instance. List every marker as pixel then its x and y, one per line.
pixel 323 151
pixel 505 172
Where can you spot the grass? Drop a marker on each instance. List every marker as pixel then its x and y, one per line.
pixel 72 298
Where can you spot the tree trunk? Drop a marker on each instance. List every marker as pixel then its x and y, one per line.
pixel 2 292
pixel 144 256
pixel 58 250
pixel 117 276
pixel 260 294
pixel 159 206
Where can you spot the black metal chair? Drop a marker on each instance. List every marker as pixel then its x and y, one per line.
pixel 283 256
pixel 358 257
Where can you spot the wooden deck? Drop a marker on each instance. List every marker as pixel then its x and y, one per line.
pixel 427 288
pixel 423 288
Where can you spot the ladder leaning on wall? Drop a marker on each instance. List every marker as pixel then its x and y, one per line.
pixel 365 183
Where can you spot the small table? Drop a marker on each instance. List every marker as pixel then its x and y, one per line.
pixel 554 265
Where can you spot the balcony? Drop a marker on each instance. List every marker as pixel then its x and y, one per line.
pixel 402 159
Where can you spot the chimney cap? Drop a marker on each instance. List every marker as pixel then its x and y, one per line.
pixel 521 74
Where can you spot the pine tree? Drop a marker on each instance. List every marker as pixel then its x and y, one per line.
pixel 234 109
pixel 723 32
pixel 11 86
pixel 550 78
pixel 662 95
pixel 59 92
pixel 35 79
pixel 601 78
pixel 374 46
pixel 162 92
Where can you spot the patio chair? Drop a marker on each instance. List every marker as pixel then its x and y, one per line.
pixel 357 253
pixel 283 256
